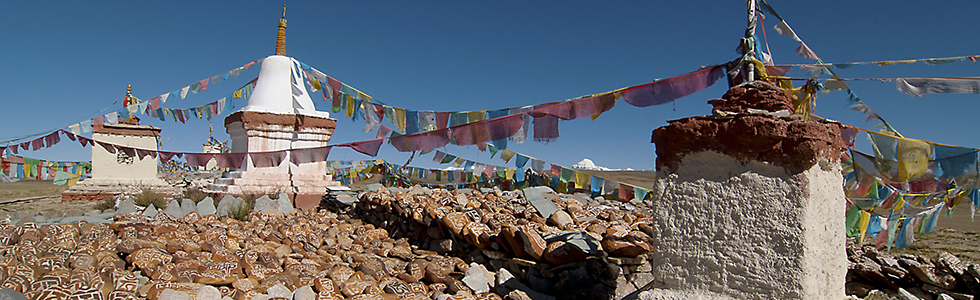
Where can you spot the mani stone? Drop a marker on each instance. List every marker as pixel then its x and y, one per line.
pixel 187 206
pixel 228 203
pixel 265 204
pixel 125 207
pixel 535 195
pixel 150 211
pixel 285 205
pixel 206 207
pixel 173 209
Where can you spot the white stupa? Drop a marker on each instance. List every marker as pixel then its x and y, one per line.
pixel 281 89
pixel 279 116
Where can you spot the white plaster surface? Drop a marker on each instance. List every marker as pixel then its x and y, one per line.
pixel 281 89
pixel 308 178
pixel 106 170
pixel 749 231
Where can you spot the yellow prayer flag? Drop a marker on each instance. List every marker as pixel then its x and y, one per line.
pixel 899 203
pixel 582 179
pixel 237 94
pixel 913 158
pixel 506 155
pixel 350 107
pixel 863 225
pixel 363 96
pixel 509 173
pixel 476 116
pixel 400 119
pixel 459 161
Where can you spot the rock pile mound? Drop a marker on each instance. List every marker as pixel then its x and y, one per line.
pixel 879 275
pixel 570 247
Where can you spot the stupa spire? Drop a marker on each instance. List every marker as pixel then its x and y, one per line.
pixel 281 37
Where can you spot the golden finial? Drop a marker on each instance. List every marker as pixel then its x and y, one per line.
pixel 281 38
pixel 129 89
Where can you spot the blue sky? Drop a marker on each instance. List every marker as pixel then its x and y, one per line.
pixel 63 61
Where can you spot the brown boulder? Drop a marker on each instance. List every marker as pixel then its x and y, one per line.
pixel 560 253
pixel 534 245
pixel 560 219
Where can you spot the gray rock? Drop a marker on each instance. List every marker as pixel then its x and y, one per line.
pixel 10 294
pixel 374 187
pixel 476 278
pixel 279 290
pixel 905 295
pixel 640 280
pixel 346 199
pixel 206 207
pixel 39 219
pixel 265 204
pixel 944 297
pixel 150 211
pixel 304 293
pixel 535 195
pixel 442 246
pixel 173 209
pixel 174 295
pixel 93 212
pixel 125 206
pixel 67 220
pixel 580 239
pixel 187 206
pixel 208 292
pixel 285 205
pixel 227 203
pixel 416 190
pixel 623 287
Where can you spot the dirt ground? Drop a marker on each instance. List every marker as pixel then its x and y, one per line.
pixel 28 198
pixel 957 235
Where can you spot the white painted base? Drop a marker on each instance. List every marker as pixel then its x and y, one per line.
pixel 750 231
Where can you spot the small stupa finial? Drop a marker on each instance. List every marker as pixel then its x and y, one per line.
pixel 281 37
pixel 129 89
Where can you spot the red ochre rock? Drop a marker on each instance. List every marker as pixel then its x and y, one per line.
pixel 757 95
pixel 796 145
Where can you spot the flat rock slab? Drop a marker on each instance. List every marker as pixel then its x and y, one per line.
pixel 125 206
pixel 11 294
pixel 374 187
pixel 284 205
pixel 228 202
pixel 150 211
pixel 266 204
pixel 188 206
pixel 535 195
pixel 173 210
pixel 206 207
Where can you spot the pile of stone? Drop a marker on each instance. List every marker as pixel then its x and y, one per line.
pixel 567 246
pixel 295 255
pixel 879 275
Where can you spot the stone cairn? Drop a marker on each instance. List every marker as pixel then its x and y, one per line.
pixel 879 275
